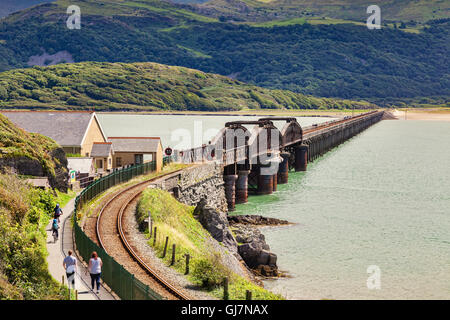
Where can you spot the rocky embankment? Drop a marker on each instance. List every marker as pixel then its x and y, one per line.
pixel 253 247
pixel 241 236
pixel 256 220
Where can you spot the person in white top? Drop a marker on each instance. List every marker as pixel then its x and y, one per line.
pixel 95 269
pixel 70 264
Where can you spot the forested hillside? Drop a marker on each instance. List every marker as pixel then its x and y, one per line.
pixel 145 86
pixel 331 60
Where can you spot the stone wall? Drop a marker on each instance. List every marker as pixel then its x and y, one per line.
pixel 203 181
pixel 197 182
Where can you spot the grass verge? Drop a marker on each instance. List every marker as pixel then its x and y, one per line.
pixel 92 206
pixel 176 221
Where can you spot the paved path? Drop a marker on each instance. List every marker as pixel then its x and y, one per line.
pixel 57 251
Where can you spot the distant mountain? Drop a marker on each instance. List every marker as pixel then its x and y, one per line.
pixel 326 58
pixel 9 6
pixel 145 86
pixel 266 10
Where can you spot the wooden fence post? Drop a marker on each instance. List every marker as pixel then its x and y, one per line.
pixel 248 295
pixel 225 288
pixel 188 257
pixel 150 223
pixel 173 254
pixel 154 235
pixel 76 294
pixel 165 247
pixel 62 281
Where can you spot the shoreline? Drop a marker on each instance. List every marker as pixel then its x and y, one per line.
pixel 422 114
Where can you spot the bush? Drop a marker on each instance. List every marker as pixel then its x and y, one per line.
pixel 23 266
pixel 208 274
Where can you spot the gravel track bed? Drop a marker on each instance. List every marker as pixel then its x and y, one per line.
pixel 113 245
pixel 140 245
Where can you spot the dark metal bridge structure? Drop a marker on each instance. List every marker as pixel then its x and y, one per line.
pixel 256 160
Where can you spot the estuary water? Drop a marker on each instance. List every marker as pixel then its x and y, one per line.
pixel 380 199
pixel 179 131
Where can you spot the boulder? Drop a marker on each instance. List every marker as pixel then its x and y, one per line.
pixel 255 255
pixel 216 223
pixel 255 251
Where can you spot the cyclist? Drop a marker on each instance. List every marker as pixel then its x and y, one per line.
pixel 55 228
pixel 58 212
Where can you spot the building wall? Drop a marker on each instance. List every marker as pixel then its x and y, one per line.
pixel 159 158
pixel 128 158
pixel 72 150
pixel 94 134
pixel 106 162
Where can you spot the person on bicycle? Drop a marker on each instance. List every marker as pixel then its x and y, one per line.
pixel 58 212
pixel 55 228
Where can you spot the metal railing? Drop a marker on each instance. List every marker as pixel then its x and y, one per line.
pixel 122 282
pixel 210 152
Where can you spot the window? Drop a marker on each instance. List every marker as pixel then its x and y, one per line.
pixel 118 162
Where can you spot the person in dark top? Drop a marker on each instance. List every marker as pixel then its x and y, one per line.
pixel 58 212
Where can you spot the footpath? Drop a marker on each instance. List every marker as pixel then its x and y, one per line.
pixel 58 251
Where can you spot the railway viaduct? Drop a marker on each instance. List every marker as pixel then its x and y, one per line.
pixel 256 159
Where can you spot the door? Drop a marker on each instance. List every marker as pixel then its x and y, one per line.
pixel 138 158
pixel 99 164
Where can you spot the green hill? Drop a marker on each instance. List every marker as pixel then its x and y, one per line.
pixel 145 86
pixel 330 60
pixel 10 6
pixel 264 10
pixel 26 153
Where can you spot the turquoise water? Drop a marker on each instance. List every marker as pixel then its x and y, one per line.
pixel 382 198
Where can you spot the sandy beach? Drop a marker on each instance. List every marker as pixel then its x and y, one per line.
pixel 423 114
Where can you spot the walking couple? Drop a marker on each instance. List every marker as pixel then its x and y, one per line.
pixel 95 269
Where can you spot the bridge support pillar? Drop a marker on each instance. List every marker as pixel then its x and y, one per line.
pixel 283 169
pixel 274 182
pixel 301 158
pixel 265 182
pixel 242 186
pixel 230 190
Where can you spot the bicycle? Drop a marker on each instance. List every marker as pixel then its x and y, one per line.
pixel 55 235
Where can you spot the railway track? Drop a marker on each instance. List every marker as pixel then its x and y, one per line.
pixel 332 124
pixel 112 237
